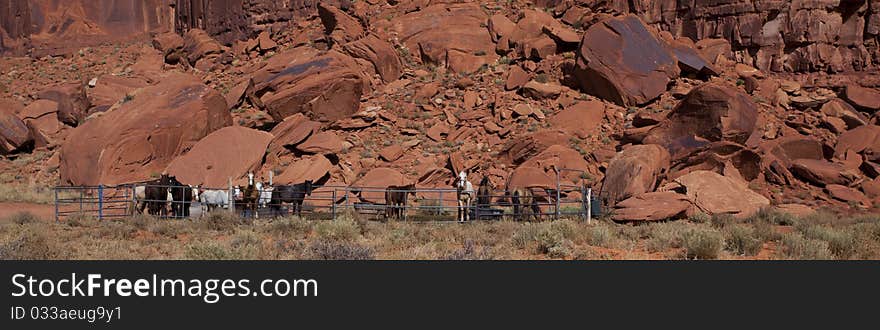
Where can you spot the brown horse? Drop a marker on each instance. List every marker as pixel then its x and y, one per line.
pixel 484 195
pixel 249 197
pixel 395 200
pixel 524 200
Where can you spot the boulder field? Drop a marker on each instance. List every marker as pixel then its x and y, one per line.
pixel 664 109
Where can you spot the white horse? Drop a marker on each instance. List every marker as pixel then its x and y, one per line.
pixel 212 199
pixel 465 192
pixel 265 194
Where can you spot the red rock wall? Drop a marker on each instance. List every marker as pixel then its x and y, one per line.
pixel 776 35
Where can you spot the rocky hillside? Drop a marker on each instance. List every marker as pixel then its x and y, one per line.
pixel 669 107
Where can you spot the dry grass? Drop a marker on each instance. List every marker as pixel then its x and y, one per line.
pixel 221 237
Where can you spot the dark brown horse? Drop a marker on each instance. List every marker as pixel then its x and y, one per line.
pixel 156 196
pixel 484 195
pixel 249 197
pixel 524 200
pixel 395 200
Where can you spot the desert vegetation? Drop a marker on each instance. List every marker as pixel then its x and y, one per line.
pixel 220 236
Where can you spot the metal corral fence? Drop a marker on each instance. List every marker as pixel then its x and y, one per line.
pixel 325 202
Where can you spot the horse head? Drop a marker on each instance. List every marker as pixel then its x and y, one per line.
pixel 308 186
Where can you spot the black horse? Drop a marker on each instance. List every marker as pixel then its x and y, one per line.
pixel 395 200
pixel 293 194
pixel 181 196
pixel 156 195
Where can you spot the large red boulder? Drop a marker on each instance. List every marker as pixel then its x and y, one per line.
pixel 559 157
pixel 374 182
pixel 326 86
pixel 14 133
pixel 73 103
pixel 652 206
pixel 309 168
pixel 141 137
pixel 634 171
pixel 379 53
pixel 822 172
pixel 321 143
pixel 42 117
pixel 862 139
pixel 581 118
pixel 863 98
pixel 292 131
pixel 230 152
pixel 713 112
pixel 427 34
pixel 717 194
pixel 620 61
pixel 526 176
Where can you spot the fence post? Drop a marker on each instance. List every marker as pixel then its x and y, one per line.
pixel 332 204
pixel 100 202
pixel 440 205
pixel 589 205
pixel 231 197
pixel 56 204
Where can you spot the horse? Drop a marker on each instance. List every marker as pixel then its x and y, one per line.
pixel 156 196
pixel 249 196
pixel 265 194
pixel 395 200
pixel 523 199
pixel 293 194
pixel 181 198
pixel 484 195
pixel 464 192
pixel 212 199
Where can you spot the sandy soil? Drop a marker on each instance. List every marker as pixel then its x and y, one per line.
pixel 44 211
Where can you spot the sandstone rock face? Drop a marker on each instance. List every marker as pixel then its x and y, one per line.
pixel 142 136
pixel 620 61
pixel 802 36
pixel 717 194
pixel 426 34
pixel 652 206
pixel 325 86
pixel 58 27
pixel 713 112
pixel 229 152
pixel 634 171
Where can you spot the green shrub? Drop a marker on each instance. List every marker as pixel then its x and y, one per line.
pixel 210 251
pixel 339 230
pixel 841 242
pixel 324 249
pixel 795 246
pixel 702 243
pixel 742 240
pixel 23 218
pixel 664 235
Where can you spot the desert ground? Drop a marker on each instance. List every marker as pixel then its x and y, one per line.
pixel 767 235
